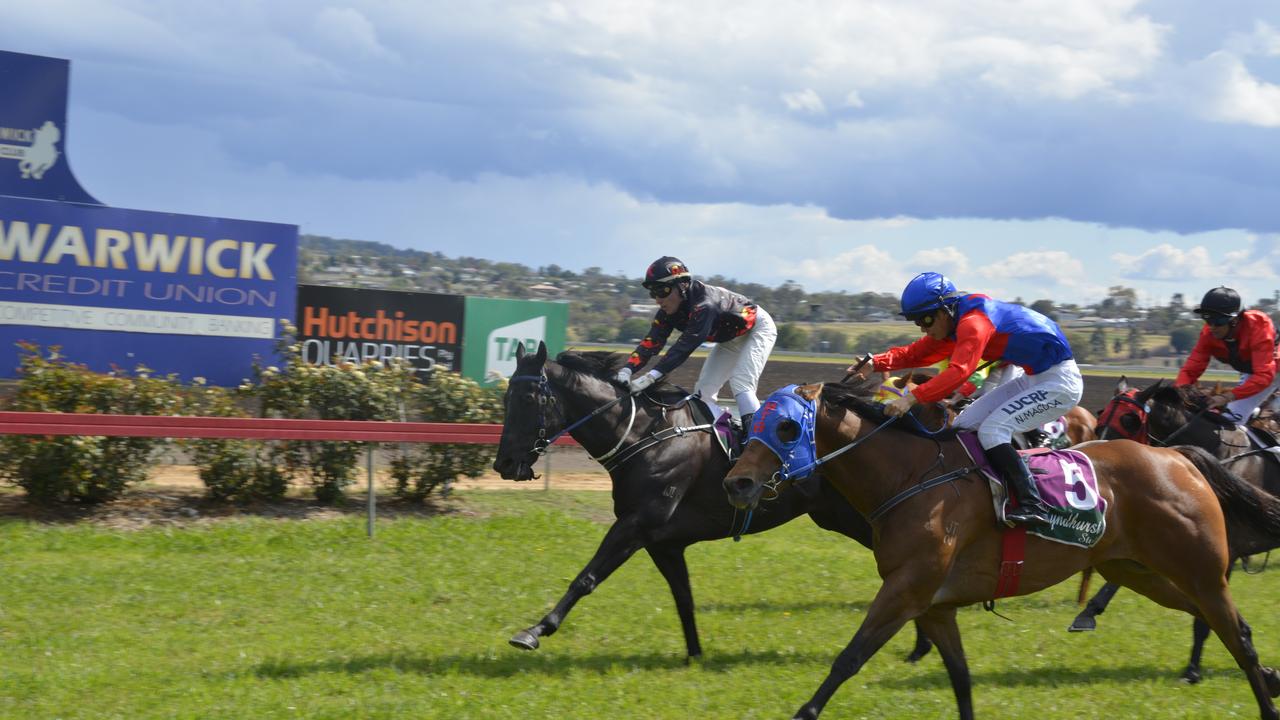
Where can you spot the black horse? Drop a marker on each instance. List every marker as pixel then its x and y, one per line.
pixel 667 491
pixel 1164 415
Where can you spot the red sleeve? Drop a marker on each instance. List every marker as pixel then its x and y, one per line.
pixel 921 353
pixel 1261 353
pixel 973 331
pixel 1197 361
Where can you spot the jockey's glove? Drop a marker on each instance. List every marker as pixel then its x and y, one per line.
pixel 643 382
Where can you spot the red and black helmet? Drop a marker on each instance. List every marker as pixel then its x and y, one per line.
pixel 666 270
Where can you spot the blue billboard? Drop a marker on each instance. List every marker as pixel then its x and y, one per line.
pixel 191 295
pixel 196 296
pixel 33 129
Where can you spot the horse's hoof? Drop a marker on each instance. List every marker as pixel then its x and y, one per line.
pixel 524 640
pixel 1191 676
pixel 1083 623
pixel 1272 678
pixel 693 659
pixel 805 713
pixel 918 653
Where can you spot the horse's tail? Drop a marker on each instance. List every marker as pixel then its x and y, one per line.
pixel 1253 515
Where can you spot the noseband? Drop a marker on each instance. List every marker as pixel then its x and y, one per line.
pixel 546 397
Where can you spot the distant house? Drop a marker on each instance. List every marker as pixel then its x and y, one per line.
pixel 640 310
pixel 544 288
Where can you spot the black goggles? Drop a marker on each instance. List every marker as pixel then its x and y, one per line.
pixel 1215 319
pixel 658 292
pixel 923 321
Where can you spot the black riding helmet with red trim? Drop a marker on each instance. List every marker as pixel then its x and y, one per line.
pixel 666 270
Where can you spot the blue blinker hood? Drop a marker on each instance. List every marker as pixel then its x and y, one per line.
pixel 798 457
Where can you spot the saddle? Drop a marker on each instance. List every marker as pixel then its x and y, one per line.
pixel 728 431
pixel 1067 483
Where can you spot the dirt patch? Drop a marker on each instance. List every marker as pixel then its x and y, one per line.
pixel 173 495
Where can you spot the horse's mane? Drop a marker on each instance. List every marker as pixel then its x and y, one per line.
pixel 603 365
pixel 857 394
pixel 596 363
pixel 1191 397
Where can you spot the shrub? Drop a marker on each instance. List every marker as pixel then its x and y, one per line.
pixel 232 469
pixel 445 397
pixel 346 391
pixel 76 469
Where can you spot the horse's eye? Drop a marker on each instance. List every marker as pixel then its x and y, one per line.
pixel 788 431
pixel 1130 422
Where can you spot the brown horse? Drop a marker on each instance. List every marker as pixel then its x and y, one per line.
pixel 1162 414
pixel 1168 514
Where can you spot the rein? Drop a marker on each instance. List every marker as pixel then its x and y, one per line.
pixel 546 397
pixel 619 454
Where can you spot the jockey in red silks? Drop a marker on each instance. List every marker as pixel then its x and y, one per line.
pixel 968 328
pixel 743 332
pixel 1244 340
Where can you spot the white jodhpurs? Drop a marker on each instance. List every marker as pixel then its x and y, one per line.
pixel 1023 403
pixel 1241 409
pixel 739 362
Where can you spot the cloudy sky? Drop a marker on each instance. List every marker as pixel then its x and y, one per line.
pixel 1041 148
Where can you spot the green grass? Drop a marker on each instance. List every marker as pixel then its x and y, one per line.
pixel 308 619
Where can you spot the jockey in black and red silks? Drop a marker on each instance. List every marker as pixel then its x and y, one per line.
pixel 743 332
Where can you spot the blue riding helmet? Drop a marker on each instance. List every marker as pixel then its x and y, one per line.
pixel 927 292
pixel 800 454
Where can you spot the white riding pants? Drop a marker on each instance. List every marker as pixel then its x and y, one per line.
pixel 1244 407
pixel 1023 403
pixel 739 362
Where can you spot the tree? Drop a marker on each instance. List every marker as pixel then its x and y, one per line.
pixel 633 329
pixel 1135 342
pixel 1183 338
pixel 791 336
pixel 1098 343
pixel 834 341
pixel 1045 308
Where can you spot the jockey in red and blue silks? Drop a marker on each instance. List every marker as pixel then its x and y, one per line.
pixel 966 329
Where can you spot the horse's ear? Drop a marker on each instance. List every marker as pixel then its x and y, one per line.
pixel 809 392
pixel 520 351
pixel 542 352
pixel 1122 386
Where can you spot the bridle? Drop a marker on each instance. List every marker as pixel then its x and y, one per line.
pixel 547 397
pixel 619 453
pixel 1113 407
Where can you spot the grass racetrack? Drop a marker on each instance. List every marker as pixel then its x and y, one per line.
pixel 261 618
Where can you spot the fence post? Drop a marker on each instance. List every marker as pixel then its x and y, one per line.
pixel 372 498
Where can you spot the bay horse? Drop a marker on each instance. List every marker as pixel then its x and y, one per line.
pixel 1174 517
pixel 1163 414
pixel 666 475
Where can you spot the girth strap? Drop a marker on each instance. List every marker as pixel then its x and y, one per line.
pixel 914 490
pixel 661 436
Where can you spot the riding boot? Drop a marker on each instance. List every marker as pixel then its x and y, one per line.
pixel 1018 481
pixel 746 431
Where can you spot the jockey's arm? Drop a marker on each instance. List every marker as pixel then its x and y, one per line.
pixel 659 331
pixel 1196 362
pixel 973 332
pixel 696 332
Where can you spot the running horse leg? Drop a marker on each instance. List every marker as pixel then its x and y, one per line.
pixel 619 544
pixel 901 598
pixel 1085 620
pixel 1199 633
pixel 940 623
pixel 669 558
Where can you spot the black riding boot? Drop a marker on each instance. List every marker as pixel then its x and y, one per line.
pixel 746 431
pixel 1017 480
